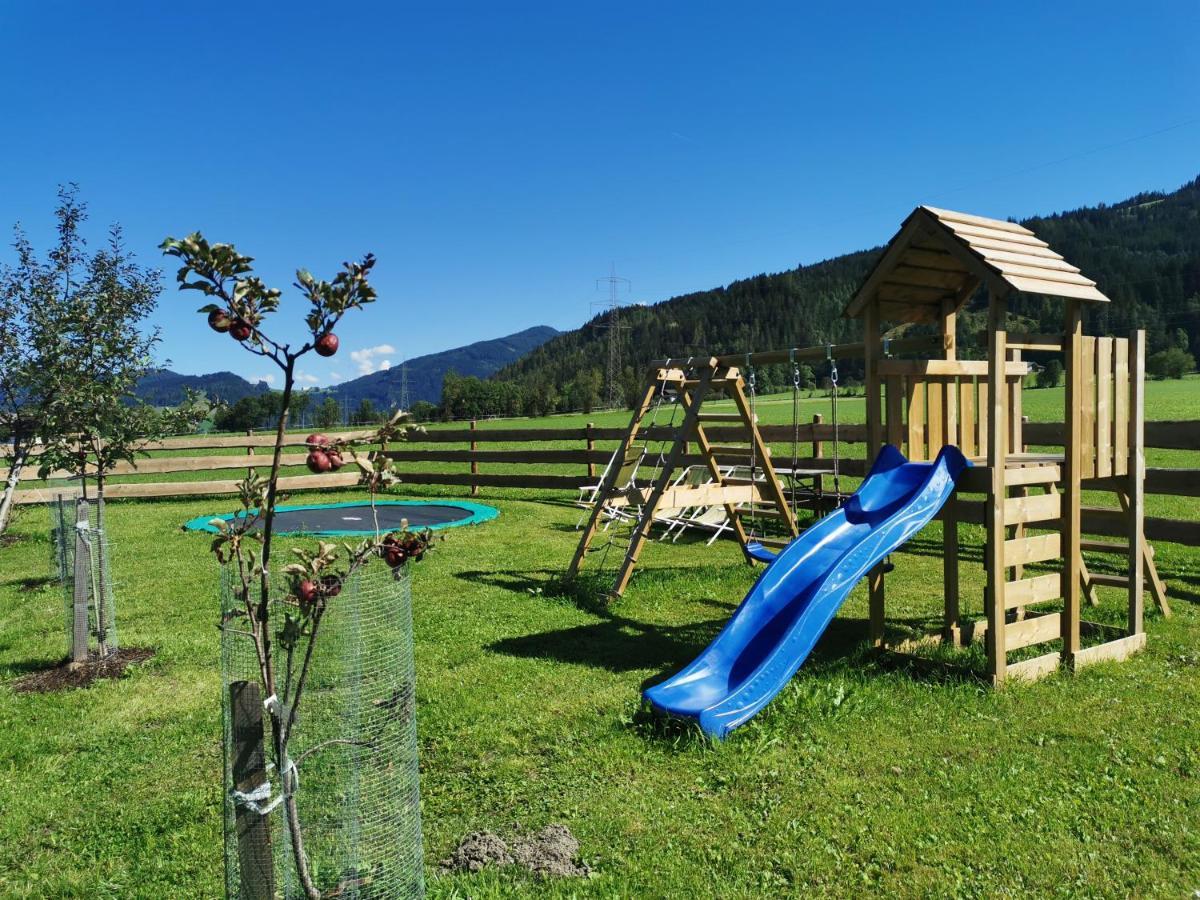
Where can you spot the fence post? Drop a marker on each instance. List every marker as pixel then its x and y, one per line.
pixel 474 463
pixel 250 449
pixel 249 771
pixel 591 446
pixel 82 583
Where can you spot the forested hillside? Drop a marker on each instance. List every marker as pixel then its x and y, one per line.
pixel 1143 252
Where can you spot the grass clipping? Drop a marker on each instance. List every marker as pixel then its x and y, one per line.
pixel 552 852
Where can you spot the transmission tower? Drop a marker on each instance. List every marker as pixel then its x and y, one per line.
pixel 612 305
pixel 404 385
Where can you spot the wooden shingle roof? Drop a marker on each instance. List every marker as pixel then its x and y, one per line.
pixel 940 256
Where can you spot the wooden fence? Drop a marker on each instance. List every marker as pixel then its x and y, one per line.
pixel 426 458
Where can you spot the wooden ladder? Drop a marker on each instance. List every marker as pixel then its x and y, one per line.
pixel 731 493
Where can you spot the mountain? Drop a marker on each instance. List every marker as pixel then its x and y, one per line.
pixel 162 387
pixel 425 373
pixel 1144 253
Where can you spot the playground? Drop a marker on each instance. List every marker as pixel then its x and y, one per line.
pixel 950 684
pixel 863 774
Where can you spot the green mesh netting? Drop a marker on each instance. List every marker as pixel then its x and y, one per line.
pixel 354 747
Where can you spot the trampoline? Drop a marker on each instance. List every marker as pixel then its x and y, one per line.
pixel 334 519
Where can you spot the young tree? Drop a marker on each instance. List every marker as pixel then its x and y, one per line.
pixel 241 304
pixel 72 349
pixel 328 414
pixel 366 414
pixel 1050 375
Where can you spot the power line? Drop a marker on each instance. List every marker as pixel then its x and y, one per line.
pixel 612 306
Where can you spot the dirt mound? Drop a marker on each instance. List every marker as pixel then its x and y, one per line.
pixel 476 850
pixel 67 675
pixel 550 853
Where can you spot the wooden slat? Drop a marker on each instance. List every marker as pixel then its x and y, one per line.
pixel 895 410
pixel 1031 475
pixel 1033 630
pixel 916 419
pixel 1121 406
pixel 972 231
pixel 1087 462
pixel 949 215
pixel 1028 510
pixel 1055 288
pixel 1034 669
pixel 1046 343
pixel 934 416
pixel 947 367
pixel 1037 548
pixel 982 406
pixel 966 416
pixel 1030 267
pixel 1104 418
pixel 1028 591
pixel 1112 651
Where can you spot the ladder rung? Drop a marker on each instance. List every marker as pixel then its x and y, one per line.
pixel 720 417
pixel 733 480
pixel 726 450
pixel 769 513
pixel 1104 546
pixel 1110 580
pixel 773 542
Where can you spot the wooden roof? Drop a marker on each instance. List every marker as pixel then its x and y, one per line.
pixel 940 256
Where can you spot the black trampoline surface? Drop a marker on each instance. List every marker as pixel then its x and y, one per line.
pixel 357 518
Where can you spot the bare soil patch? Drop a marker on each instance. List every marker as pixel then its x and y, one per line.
pixel 65 676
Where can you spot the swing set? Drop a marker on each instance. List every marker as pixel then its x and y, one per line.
pixel 730 448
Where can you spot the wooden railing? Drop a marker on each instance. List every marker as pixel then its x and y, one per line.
pixel 529 464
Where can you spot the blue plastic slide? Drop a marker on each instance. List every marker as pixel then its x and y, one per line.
pixel 794 599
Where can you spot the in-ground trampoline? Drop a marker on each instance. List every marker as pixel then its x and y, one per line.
pixel 332 519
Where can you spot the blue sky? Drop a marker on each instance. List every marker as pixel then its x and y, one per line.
pixel 498 157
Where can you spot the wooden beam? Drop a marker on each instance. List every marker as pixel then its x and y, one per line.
pixel 1135 498
pixel 1072 482
pixel 997 450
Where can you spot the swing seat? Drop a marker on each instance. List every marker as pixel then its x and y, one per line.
pixel 759 553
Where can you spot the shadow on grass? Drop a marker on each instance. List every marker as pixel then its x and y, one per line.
pixel 26 585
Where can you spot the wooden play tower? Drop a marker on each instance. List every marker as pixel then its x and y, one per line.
pixel 1031 504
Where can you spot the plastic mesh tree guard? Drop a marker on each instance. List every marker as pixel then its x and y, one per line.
pixel 81 563
pixel 354 749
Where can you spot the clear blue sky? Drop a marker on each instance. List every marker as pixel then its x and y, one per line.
pixel 497 157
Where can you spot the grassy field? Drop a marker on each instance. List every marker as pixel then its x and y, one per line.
pixel 860 778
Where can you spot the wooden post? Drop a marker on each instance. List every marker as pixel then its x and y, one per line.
pixel 591 447
pixel 474 462
pixel 997 453
pixel 818 449
pixel 872 351
pixel 250 450
pixel 83 582
pixel 1136 476
pixel 1072 475
pixel 249 770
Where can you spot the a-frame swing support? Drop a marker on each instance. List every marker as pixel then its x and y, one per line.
pixel 740 444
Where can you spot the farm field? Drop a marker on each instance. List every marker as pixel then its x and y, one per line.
pixel 861 777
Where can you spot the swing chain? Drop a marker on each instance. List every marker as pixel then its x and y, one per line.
pixel 751 380
pixel 795 423
pixel 833 381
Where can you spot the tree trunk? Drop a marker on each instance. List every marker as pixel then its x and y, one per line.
pixel 19 458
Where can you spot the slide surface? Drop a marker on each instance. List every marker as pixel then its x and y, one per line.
pixel 793 601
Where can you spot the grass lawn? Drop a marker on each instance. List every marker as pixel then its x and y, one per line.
pixel 859 778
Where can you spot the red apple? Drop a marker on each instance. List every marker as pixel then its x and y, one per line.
pixel 335 460
pixel 317 440
pixel 394 556
pixel 240 330
pixel 331 585
pixel 307 591
pixel 220 321
pixel 327 344
pixel 318 462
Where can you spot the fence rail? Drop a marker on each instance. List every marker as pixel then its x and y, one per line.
pixel 542 467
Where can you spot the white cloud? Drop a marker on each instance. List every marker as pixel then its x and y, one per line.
pixel 335 376
pixel 269 379
pixel 372 359
pixel 305 378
